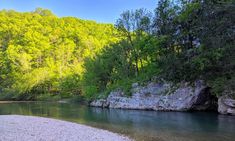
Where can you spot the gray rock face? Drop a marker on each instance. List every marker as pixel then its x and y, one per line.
pixel 160 97
pixel 226 105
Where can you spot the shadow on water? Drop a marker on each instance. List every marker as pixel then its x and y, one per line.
pixel 140 125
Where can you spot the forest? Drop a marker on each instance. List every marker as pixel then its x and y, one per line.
pixel 43 56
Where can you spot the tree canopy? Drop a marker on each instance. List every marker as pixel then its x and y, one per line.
pixel 41 53
pixel 180 41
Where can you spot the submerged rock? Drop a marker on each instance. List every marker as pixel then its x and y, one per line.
pixel 226 105
pixel 161 97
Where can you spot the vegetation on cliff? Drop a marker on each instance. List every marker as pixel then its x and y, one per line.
pixel 182 41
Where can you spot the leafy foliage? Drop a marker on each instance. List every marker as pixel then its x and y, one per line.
pixel 41 54
pixel 185 41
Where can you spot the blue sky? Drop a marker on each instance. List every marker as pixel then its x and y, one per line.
pixel 99 10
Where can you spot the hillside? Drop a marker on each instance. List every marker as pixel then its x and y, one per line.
pixel 41 53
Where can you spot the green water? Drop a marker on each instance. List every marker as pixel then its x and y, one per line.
pixel 140 125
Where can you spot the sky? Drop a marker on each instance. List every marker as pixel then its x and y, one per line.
pixel 105 11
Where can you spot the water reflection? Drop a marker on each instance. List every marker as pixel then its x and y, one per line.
pixel 141 125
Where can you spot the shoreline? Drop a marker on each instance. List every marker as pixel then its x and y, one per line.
pixel 17 127
pixel 2 102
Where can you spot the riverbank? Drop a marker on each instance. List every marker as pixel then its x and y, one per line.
pixel 23 128
pixel 3 102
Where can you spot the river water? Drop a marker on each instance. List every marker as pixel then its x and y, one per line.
pixel 140 125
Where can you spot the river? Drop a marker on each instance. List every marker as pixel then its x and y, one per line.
pixel 140 125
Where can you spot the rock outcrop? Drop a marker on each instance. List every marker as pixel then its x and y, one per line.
pixel 160 97
pixel 226 105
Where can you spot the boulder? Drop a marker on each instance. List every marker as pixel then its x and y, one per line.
pixel 226 105
pixel 98 103
pixel 161 97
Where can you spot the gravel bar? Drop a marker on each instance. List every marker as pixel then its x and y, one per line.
pixel 29 128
